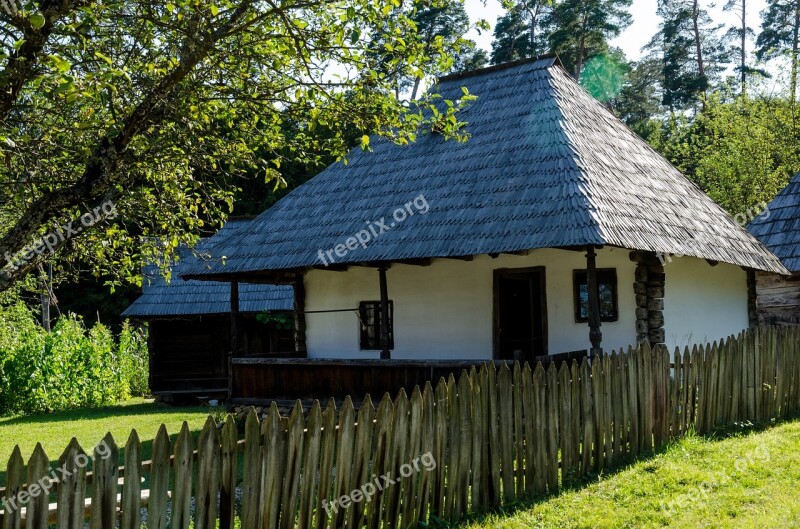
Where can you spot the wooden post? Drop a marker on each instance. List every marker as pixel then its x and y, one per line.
pixel 300 316
pixel 595 335
pixel 234 348
pixel 385 352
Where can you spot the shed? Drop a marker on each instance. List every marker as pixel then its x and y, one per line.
pixel 778 227
pixel 189 326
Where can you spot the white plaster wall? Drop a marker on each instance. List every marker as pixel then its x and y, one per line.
pixel 444 311
pixel 703 303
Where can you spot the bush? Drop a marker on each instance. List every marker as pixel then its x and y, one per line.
pixel 70 367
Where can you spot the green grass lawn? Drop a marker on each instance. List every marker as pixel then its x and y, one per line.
pixel 89 426
pixel 749 481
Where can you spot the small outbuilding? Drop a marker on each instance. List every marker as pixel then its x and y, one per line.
pixel 778 296
pixel 189 326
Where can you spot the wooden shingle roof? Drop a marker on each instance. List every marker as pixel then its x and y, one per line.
pixel 546 166
pixel 194 298
pixel 779 226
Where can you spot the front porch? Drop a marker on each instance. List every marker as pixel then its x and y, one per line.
pixel 259 381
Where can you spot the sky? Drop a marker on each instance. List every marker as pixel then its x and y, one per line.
pixel 644 26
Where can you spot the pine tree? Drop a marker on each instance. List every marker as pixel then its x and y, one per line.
pixel 692 52
pixel 582 29
pixel 521 32
pixel 780 36
pixel 740 36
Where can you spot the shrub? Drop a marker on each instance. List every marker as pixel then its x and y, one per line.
pixel 70 367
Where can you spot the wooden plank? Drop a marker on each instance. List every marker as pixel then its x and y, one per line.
pixel 328 449
pixel 312 440
pixel 617 404
pixel 608 402
pixel 131 515
pixel 251 483
pixel 698 376
pixel 631 363
pixel 465 448
pixel 519 439
pixel 381 462
pixel 273 458
pixel 647 389
pixel 427 480
pixel 529 414
pixel 495 459
pixel 476 466
pixel 229 454
pixel 440 448
pixel 757 371
pixel 38 511
pixel 409 479
pixel 576 427
pixel 540 430
pixel 552 406
pixel 505 396
pixel 565 422
pixel 599 414
pixel 159 481
pixel 182 487
pixel 398 449
pixel 686 391
pixel 587 417
pixel 71 490
pixel 104 484
pixel 15 480
pixel 209 470
pixel 344 462
pixel 676 394
pixel 362 453
pixel 486 423
pixel 293 468
pixel 453 445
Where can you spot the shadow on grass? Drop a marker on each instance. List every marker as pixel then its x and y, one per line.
pixel 575 483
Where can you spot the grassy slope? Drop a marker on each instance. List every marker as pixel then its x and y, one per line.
pixel 89 426
pixel 746 481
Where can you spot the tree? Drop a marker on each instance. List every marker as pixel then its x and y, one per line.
pixel 740 35
pixel 157 108
pixel 741 152
pixel 639 102
pixel 521 32
pixel 582 29
pixel 691 50
pixel 780 36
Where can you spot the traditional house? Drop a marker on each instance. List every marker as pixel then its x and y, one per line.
pixel 778 296
pixel 189 329
pixel 552 230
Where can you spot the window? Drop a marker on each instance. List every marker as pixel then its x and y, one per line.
pixel 607 285
pixel 369 314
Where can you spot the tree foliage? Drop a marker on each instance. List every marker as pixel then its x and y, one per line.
pixel 160 107
pixel 780 36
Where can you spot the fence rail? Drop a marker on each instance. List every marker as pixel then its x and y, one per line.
pixel 478 442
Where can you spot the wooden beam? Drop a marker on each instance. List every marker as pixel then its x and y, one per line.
pixel 234 348
pixel 386 354
pixel 300 316
pixel 333 268
pixel 415 262
pixel 519 252
pixel 595 335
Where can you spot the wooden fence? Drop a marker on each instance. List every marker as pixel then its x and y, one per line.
pixel 495 434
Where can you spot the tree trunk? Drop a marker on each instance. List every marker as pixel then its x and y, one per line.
pixel 743 63
pixel 698 44
pixel 795 46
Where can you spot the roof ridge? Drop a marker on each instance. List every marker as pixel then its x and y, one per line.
pixel 497 67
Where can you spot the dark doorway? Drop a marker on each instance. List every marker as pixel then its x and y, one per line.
pixel 520 314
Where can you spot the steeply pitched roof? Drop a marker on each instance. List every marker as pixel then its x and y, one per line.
pixel 779 226
pixel 546 166
pixel 194 298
